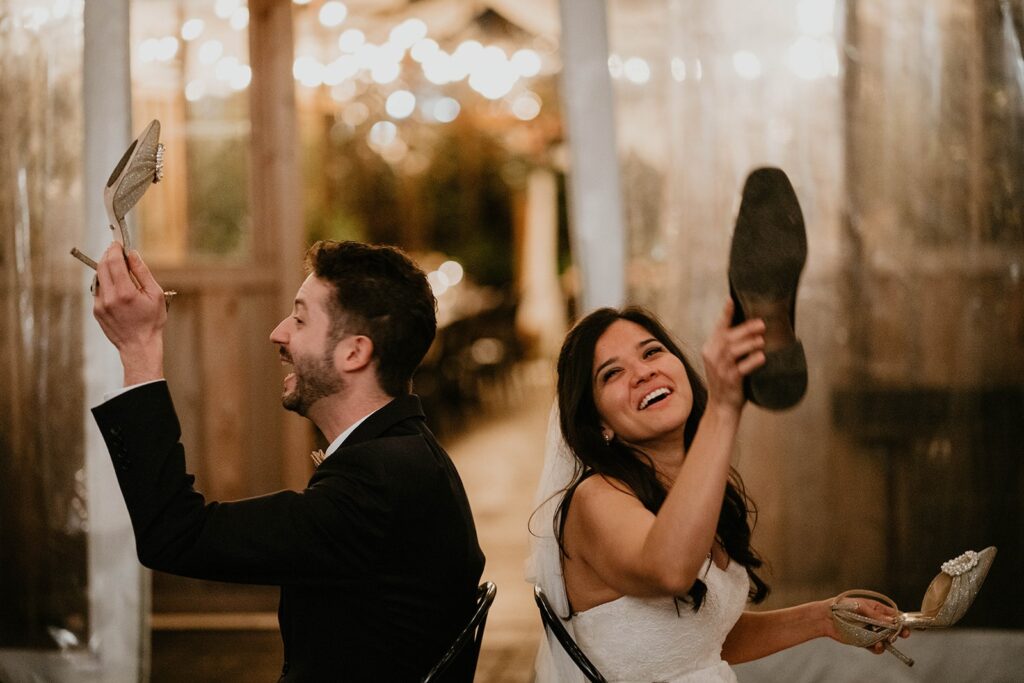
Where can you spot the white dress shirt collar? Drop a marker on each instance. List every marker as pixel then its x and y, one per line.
pixel 336 444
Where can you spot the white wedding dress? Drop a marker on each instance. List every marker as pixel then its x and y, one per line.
pixel 647 640
pixel 629 640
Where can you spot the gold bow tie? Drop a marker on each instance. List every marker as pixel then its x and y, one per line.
pixel 318 456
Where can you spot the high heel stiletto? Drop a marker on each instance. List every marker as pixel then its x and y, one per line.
pixel 140 166
pixel 952 591
pixel 949 596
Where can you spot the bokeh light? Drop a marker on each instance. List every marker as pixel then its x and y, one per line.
pixel 400 104
pixel 332 13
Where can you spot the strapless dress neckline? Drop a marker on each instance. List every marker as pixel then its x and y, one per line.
pixel 634 640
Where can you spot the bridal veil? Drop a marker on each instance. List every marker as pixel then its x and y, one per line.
pixel 544 567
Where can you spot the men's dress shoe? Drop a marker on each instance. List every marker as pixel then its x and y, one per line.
pixel 769 248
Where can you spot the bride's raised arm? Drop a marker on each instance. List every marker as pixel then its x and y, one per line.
pixel 632 550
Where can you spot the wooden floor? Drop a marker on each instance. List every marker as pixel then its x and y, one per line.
pixel 499 457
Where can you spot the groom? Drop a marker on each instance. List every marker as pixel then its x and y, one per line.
pixel 377 559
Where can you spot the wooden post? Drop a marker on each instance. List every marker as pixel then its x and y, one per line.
pixel 224 457
pixel 277 216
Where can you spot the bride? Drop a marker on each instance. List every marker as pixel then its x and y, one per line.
pixel 643 541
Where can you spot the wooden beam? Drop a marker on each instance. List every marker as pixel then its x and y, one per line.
pixel 202 278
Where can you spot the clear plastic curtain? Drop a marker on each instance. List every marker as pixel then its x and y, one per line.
pixel 43 524
pixel 900 124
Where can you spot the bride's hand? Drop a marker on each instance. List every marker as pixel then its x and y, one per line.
pixel 730 354
pixel 868 608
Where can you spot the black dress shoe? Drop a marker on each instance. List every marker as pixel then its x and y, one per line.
pixel 769 248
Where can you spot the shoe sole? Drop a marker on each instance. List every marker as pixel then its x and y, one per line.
pixel 769 249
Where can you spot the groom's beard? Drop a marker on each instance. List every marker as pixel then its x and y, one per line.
pixel 315 378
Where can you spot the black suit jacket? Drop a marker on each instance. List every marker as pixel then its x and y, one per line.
pixel 377 559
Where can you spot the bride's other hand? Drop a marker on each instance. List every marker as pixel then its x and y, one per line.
pixel 730 354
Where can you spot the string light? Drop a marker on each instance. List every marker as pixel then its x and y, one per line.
pixel 355 114
pixel 453 272
pixel 400 104
pixel 423 50
pixel 210 51
pixel 615 66
pixel 438 68
pixel 438 282
pixel 224 8
pixel 350 40
pixel 195 90
pixel 341 69
pixel 241 78
pixel 446 109
pixel 225 69
pixel 637 70
pixel 332 13
pixel 408 33
pixel 308 71
pixel 747 65
pixel 192 29
pixel 488 70
pixel 526 107
pixel 386 72
pixel 344 91
pixel 240 18
pixel 492 75
pixel 382 134
pixel 526 62
pixel 678 67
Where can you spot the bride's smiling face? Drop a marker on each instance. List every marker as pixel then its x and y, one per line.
pixel 641 390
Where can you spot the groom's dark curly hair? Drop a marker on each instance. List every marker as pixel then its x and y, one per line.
pixel 380 293
pixel 581 428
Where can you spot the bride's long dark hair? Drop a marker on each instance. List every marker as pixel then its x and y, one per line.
pixel 581 428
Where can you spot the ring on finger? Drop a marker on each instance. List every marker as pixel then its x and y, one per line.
pixel 94 288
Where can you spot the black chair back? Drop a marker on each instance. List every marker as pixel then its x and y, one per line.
pixel 553 622
pixel 473 633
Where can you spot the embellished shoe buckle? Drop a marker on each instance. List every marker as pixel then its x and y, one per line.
pixel 961 564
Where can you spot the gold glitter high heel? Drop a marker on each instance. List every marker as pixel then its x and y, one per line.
pixel 141 165
pixel 953 591
pixel 949 596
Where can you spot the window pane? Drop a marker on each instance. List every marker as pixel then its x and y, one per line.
pixel 190 70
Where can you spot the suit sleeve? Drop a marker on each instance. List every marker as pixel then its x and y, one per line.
pixel 329 533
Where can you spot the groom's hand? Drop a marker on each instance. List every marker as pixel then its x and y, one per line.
pixel 129 306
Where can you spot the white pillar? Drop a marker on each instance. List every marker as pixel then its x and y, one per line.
pixel 595 195
pixel 118 586
pixel 541 312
